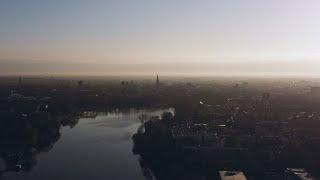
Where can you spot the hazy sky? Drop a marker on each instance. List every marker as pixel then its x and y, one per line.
pixel 152 31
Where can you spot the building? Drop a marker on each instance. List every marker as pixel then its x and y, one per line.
pixel 297 174
pixel 232 175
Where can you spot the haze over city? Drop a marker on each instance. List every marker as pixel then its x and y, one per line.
pixel 159 89
pixel 241 37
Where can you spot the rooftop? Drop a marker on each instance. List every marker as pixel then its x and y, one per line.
pixel 232 175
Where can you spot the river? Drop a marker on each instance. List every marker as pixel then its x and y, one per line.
pixel 98 147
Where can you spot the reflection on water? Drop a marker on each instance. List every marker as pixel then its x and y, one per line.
pixel 94 145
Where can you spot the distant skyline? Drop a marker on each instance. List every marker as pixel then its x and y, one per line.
pixel 166 31
pixel 231 69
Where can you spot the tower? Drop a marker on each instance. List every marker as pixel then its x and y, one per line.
pixel 157 82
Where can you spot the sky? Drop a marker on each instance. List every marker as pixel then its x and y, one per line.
pixel 167 31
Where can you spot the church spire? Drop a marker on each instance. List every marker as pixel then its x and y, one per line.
pixel 158 82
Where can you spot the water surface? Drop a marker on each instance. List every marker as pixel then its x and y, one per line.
pixel 94 147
